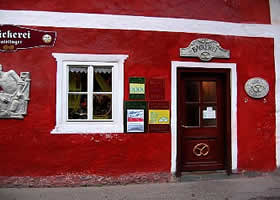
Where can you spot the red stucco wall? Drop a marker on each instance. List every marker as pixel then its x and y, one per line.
pixel 28 148
pixel 249 11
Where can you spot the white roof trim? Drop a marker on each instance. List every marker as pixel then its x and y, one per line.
pixel 127 22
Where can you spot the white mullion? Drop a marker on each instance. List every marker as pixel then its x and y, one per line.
pixel 90 92
pixel 77 93
pixel 102 92
pixel 113 90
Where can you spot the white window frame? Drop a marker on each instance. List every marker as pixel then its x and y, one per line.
pixel 97 126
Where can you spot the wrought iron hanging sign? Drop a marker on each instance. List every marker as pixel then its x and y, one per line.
pixel 14 94
pixel 205 49
pixel 256 87
pixel 13 38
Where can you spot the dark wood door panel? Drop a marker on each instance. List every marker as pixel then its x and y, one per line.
pixel 199 166
pixel 200 133
pixel 200 150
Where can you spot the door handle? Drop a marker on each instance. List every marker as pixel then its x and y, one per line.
pixel 183 126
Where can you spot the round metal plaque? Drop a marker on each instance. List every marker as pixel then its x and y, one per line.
pixel 257 87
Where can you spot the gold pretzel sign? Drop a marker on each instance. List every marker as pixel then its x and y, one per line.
pixel 201 149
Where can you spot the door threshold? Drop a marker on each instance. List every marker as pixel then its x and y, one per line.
pixel 204 175
pixel 205 172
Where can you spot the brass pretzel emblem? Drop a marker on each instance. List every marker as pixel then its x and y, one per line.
pixel 8 47
pixel 201 149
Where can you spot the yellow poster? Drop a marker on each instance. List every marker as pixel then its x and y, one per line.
pixel 136 88
pixel 158 116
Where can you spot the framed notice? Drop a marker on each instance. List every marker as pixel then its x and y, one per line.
pixel 135 117
pixel 135 120
pixel 156 89
pixel 136 88
pixel 159 116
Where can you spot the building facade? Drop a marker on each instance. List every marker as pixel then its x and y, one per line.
pixel 135 91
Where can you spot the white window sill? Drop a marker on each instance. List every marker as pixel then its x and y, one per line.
pixel 88 129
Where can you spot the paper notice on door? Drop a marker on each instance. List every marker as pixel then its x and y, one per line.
pixel 209 113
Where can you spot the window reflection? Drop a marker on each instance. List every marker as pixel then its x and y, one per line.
pixel 77 106
pixel 78 79
pixel 192 114
pixel 209 91
pixel 102 79
pixel 102 106
pixel 192 91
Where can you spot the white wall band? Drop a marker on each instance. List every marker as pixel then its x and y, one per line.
pixel 127 22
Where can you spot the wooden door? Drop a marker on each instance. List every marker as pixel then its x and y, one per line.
pixel 202 120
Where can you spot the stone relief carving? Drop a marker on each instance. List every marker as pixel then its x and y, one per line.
pixel 14 94
pixel 205 49
pixel 256 87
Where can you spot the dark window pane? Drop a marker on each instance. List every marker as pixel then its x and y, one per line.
pixel 102 79
pixel 192 115
pixel 192 91
pixel 77 106
pixel 209 116
pixel 209 91
pixel 78 79
pixel 102 106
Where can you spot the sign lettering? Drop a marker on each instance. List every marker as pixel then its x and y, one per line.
pixel 205 49
pixel 13 38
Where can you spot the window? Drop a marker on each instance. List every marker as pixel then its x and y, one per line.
pixel 89 97
pixel 89 91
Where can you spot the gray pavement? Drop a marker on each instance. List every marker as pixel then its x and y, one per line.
pixel 265 187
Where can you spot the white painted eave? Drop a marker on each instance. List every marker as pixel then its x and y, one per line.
pixel 128 22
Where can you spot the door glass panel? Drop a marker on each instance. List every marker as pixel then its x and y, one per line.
pixel 192 91
pixel 102 79
pixel 209 116
pixel 77 106
pixel 102 106
pixel 192 114
pixel 78 79
pixel 209 91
